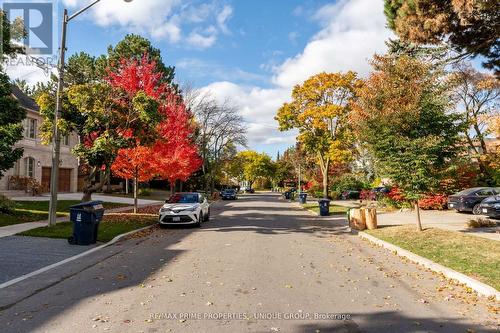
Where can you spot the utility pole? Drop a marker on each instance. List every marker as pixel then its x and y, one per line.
pixel 56 137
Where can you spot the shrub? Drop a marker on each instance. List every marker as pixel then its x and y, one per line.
pixel 433 201
pixel 145 192
pixel 347 182
pixel 388 201
pixel 7 206
pixel 334 195
pixel 480 222
pixel 396 194
pixel 368 195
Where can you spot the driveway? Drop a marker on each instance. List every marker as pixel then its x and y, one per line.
pixel 21 255
pixel 260 265
pixel 449 220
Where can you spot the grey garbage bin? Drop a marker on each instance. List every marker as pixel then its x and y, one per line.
pixel 86 217
pixel 324 207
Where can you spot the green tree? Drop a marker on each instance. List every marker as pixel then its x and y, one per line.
pixel 402 115
pixel 11 114
pixel 468 26
pixel 11 127
pixel 255 165
pixel 134 46
pixel 11 32
pixel 319 110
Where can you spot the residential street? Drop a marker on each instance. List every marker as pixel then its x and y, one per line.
pixel 259 255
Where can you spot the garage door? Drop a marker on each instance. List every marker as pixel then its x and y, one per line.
pixel 64 179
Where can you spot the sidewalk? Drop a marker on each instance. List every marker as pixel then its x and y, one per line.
pixel 78 196
pixel 11 230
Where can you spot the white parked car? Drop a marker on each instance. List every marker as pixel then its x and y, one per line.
pixel 185 208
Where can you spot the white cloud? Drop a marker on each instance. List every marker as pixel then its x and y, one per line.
pixel 351 32
pixel 199 69
pixel 23 68
pixel 223 17
pixel 161 19
pixel 203 39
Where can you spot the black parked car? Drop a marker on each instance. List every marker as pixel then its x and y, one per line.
pixel 469 200
pixel 491 206
pixel 229 194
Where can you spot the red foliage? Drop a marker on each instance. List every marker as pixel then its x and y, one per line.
pixel 173 156
pixel 368 195
pixel 396 195
pixel 433 201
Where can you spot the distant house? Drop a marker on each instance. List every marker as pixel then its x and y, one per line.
pixel 37 159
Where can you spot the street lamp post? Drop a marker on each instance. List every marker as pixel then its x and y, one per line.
pixel 56 139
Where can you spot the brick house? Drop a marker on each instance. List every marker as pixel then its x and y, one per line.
pixel 37 159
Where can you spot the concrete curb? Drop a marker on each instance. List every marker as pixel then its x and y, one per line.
pixel 67 260
pixel 479 287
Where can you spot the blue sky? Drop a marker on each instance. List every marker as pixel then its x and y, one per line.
pixel 252 52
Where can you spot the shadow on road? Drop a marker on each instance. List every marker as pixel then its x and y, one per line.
pixel 388 322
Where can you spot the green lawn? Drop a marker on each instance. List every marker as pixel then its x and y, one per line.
pixel 29 211
pixel 473 256
pixel 153 195
pixel 334 209
pixel 111 226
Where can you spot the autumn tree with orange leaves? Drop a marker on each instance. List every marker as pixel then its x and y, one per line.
pixel 169 154
pixel 319 110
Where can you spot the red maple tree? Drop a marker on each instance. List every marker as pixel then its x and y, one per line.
pixel 173 155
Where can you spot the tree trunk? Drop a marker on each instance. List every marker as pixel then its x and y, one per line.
pixel 135 192
pixel 172 187
pixel 87 196
pixel 419 222
pixel 180 185
pixel 108 180
pixel 91 188
pixel 325 184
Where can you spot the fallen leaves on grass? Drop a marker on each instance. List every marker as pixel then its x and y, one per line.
pixel 152 209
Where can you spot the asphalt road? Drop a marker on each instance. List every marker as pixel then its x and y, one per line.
pixel 260 265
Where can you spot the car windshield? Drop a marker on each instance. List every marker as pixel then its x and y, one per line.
pixel 183 198
pixel 229 191
pixel 467 191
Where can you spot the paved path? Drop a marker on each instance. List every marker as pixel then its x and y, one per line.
pixel 258 263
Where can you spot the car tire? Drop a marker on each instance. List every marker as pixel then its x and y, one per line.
pixel 477 209
pixel 200 219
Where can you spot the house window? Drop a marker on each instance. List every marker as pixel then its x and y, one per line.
pixel 65 140
pixel 17 168
pixel 31 128
pixel 30 167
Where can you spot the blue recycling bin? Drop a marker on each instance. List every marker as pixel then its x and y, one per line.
pixel 86 217
pixel 324 207
pixel 303 198
pixel 287 195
